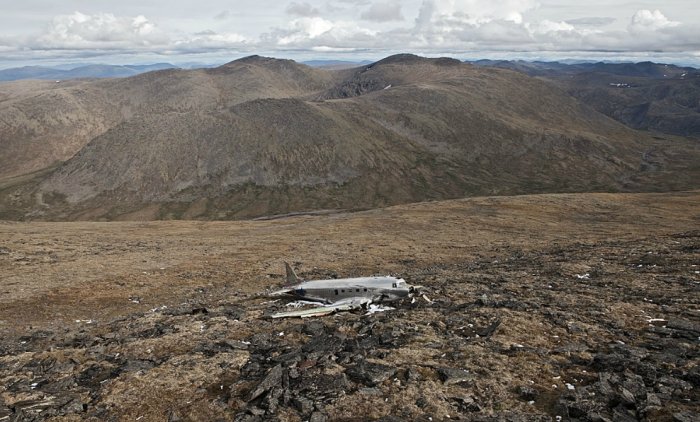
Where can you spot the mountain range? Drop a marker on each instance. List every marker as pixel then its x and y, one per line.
pixel 87 71
pixel 649 96
pixel 260 136
pixel 93 71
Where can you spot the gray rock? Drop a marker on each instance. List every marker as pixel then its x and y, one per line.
pixel 313 328
pixel 684 325
pixel 597 417
pixel 25 408
pixel 135 365
pixel 94 375
pixel 686 416
pixel 635 385
pixel 451 376
pixel 465 404
pixel 273 379
pixel 74 406
pixel 605 384
pixel 675 383
pixel 173 416
pixel 527 393
pixel 653 400
pixel 413 374
pixel 303 405
pixel 627 397
pixel 256 411
pixel 584 409
pixel 4 411
pixel 622 414
pixel 323 346
pixel 244 417
pixel 318 417
pixel 616 362
pixel 369 373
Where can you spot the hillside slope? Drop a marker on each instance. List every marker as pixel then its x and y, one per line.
pixel 646 96
pixel 669 106
pixel 262 136
pixel 42 123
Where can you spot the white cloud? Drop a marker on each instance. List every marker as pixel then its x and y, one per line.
pixel 304 29
pixel 383 12
pixel 425 16
pixel 102 30
pixel 468 25
pixel 7 48
pixel 210 40
pixel 482 11
pixel 652 30
pixel 499 32
pixel 548 27
pixel 302 9
pixel 591 21
pixel 307 33
pixel 648 21
pixel 105 33
pixel 455 27
pixel 327 49
pixel 473 24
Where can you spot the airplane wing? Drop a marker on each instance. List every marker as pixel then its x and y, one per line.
pixel 282 292
pixel 344 305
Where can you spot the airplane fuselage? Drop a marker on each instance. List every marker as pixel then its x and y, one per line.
pixel 375 289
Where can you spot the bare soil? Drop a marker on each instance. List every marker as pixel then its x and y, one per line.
pixel 583 306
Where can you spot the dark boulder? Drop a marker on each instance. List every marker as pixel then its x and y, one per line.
pixel 370 374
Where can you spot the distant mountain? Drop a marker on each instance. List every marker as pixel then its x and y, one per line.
pixel 648 96
pixel 260 136
pixel 88 71
pixel 554 69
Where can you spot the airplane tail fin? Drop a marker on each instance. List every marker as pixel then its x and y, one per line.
pixel 291 275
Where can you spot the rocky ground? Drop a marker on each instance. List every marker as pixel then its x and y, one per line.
pixel 550 307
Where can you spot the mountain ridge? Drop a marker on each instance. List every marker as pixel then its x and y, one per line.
pixel 647 96
pixel 82 71
pixel 260 136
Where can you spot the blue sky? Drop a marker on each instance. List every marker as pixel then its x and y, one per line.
pixel 216 31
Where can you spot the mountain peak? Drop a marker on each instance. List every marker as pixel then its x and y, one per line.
pixel 413 59
pixel 260 61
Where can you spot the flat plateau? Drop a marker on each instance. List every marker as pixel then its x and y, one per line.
pixel 571 305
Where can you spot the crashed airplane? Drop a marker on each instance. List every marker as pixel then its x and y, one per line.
pixel 343 294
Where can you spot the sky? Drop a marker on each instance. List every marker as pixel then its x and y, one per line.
pixel 42 32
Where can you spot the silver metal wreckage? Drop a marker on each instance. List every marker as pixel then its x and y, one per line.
pixel 343 294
